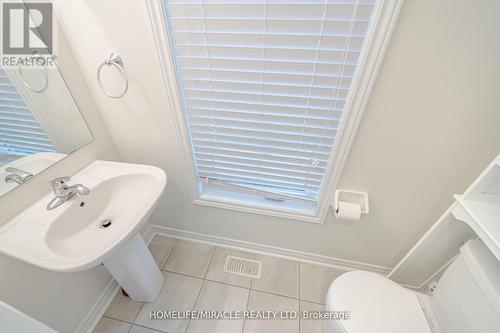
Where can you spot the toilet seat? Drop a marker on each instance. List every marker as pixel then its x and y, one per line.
pixel 376 304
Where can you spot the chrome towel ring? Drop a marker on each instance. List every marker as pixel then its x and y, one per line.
pixel 45 76
pixel 113 60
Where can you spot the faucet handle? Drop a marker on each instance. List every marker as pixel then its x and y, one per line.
pixel 21 173
pixel 59 183
pixel 17 175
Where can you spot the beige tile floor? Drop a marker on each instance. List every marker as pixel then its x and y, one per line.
pixel 195 280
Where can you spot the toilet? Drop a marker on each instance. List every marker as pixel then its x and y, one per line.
pixel 466 299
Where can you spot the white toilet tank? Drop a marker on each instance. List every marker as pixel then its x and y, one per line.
pixel 467 298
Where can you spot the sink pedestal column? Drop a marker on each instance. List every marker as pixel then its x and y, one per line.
pixel 136 271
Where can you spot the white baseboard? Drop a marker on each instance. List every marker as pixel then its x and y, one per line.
pixel 265 249
pixel 148 234
pixel 92 318
pixel 101 304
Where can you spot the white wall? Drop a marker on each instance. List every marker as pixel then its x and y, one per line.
pixel 59 300
pixel 430 127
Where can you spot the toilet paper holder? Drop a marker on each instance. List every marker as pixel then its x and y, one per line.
pixel 355 197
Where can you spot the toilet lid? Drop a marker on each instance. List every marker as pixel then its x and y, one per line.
pixel 376 304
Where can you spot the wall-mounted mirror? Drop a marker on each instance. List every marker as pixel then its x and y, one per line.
pixel 40 123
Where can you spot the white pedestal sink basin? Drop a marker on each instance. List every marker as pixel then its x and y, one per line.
pixel 101 227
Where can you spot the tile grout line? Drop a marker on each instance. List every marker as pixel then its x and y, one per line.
pixel 226 284
pixel 246 307
pixel 123 321
pixel 275 294
pixel 305 300
pixel 235 286
pixel 205 280
pixel 132 324
pixel 149 328
pixel 299 280
pixel 300 304
pixel 250 288
pixel 210 263
pixel 195 303
pixel 137 315
pixel 202 285
pixel 249 292
pixel 169 254
pixel 142 305
pixel 183 274
pixel 252 279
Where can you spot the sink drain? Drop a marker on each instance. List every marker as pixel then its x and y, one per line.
pixel 106 223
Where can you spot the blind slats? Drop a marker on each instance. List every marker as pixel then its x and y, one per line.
pixel 196 102
pixel 277 112
pixel 238 93
pixel 264 85
pixel 279 133
pixel 264 138
pixel 290 177
pixel 27 133
pixel 300 165
pixel 248 165
pixel 20 132
pixel 301 159
pixel 28 142
pixel 204 59
pixel 256 179
pixel 263 148
pixel 256 125
pixel 269 86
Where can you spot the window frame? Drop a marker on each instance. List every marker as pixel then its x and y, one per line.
pixel 384 19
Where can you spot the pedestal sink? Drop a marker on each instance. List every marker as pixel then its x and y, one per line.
pixel 99 228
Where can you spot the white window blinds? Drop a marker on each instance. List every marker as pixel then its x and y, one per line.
pixel 20 132
pixel 264 85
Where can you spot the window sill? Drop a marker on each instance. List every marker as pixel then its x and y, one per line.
pixel 215 196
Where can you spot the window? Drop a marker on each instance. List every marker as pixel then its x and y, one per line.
pixel 20 132
pixel 266 89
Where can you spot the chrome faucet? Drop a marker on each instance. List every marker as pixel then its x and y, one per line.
pixel 63 192
pixel 17 176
